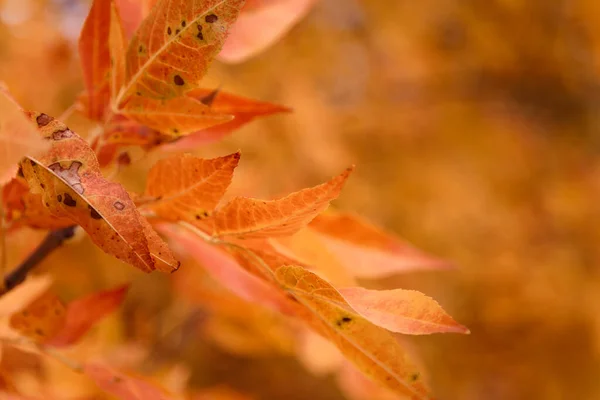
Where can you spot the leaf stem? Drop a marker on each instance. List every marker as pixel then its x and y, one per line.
pixel 52 241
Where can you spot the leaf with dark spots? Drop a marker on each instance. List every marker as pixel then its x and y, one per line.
pixel 74 188
pixel 165 71
pixel 41 319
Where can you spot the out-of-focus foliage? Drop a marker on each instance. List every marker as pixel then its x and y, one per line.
pixel 473 126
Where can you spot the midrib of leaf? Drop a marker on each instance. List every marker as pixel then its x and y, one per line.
pixel 91 205
pixel 167 43
pixel 352 342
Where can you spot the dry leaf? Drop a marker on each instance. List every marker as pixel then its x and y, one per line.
pixel 68 178
pixel 41 319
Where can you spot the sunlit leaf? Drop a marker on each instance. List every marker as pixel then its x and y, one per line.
pixel 403 311
pixel 246 217
pixel 41 319
pixel 189 188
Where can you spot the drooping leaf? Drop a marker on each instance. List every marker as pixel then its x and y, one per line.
pixel 94 54
pixel 18 137
pixel 246 217
pixel 372 349
pixel 68 178
pixel 124 386
pixel 261 24
pixel 367 251
pixel 41 319
pixel 189 188
pixel 402 311
pixel 83 313
pixel 117 44
pixel 168 56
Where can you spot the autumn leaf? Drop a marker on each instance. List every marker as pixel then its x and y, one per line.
pixel 94 54
pixel 68 178
pixel 41 319
pixel 261 24
pixel 83 313
pixel 402 311
pixel 23 208
pixel 242 109
pixel 367 251
pixel 189 188
pixel 372 349
pixel 124 386
pixel 174 117
pixel 246 217
pixel 167 57
pixel 117 44
pixel 18 137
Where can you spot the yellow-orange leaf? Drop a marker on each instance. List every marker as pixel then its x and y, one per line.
pixel 403 311
pixel 95 58
pixel 246 217
pixel 372 349
pixel 261 24
pixel 173 117
pixel 171 51
pixel 84 313
pixel 189 187
pixel 18 137
pixel 243 109
pixel 367 251
pixel 23 208
pixel 68 178
pixel 116 44
pixel 41 319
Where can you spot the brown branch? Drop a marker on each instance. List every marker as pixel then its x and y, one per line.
pixel 52 241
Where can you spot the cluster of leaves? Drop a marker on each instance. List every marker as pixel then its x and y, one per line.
pixel 286 254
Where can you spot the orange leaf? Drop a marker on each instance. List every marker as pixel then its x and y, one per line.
pixel 171 50
pixel 243 109
pixel 402 311
pixel 83 313
pixel 41 319
pixel 68 178
pixel 116 44
pixel 246 217
pixel 189 188
pixel 18 137
pixel 124 386
pixel 261 24
pixel 173 117
pixel 95 58
pixel 372 349
pixel 23 208
pixel 367 251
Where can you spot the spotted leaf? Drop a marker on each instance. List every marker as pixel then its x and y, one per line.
pixel 68 178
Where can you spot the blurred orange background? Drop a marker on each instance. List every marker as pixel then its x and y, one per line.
pixel 474 129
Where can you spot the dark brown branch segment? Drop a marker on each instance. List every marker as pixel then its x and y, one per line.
pixel 52 241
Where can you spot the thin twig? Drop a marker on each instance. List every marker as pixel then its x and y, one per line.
pixel 52 241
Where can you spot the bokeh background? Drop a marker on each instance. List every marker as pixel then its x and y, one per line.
pixel 474 129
